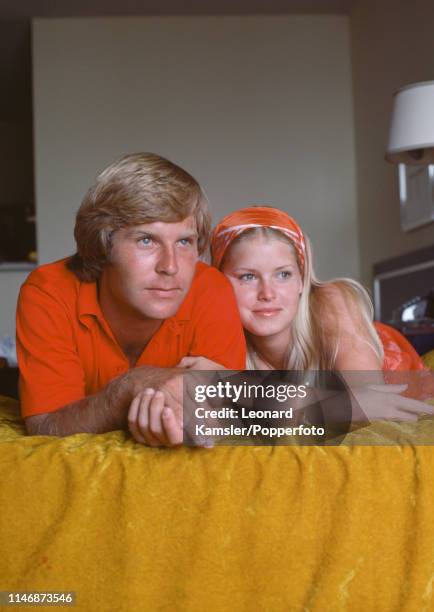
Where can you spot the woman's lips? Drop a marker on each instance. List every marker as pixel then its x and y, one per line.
pixel 267 312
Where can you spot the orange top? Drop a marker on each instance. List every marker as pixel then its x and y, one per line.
pixel 398 352
pixel 66 349
pixel 402 364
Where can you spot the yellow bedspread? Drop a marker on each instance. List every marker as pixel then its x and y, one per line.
pixel 229 529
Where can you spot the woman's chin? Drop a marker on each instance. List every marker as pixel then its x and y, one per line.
pixel 267 328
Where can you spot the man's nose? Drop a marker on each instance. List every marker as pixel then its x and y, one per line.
pixel 167 261
pixel 266 291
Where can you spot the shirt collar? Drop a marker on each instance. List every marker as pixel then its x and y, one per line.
pixel 88 304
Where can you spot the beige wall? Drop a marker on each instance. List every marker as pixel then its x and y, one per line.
pixel 258 108
pixel 392 45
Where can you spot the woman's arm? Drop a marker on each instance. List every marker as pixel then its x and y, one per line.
pixel 351 335
pixel 359 363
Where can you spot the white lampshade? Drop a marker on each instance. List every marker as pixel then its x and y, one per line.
pixel 411 139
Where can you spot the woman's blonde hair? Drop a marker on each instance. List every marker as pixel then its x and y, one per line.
pixel 315 327
pixel 135 189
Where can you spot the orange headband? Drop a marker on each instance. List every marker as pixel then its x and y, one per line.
pixel 236 223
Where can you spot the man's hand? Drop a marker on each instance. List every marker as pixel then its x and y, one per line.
pixel 107 409
pixel 151 421
pixel 199 363
pixel 155 415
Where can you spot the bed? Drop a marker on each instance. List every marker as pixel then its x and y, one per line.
pixel 128 527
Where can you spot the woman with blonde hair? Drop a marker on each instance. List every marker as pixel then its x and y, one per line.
pixel 294 321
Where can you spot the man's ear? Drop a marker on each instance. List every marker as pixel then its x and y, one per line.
pixel 107 240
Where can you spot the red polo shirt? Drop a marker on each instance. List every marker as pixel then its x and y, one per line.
pixel 66 349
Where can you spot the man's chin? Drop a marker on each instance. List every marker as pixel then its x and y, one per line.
pixel 162 312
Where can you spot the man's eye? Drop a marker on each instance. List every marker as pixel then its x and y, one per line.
pixel 146 241
pixel 185 241
pixel 247 277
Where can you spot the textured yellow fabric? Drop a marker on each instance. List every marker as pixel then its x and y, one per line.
pixel 428 359
pixel 270 529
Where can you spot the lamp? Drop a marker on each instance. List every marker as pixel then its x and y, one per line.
pixel 411 139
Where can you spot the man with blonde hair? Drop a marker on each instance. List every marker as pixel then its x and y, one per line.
pixel 95 329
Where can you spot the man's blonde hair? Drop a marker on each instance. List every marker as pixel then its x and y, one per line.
pixel 135 189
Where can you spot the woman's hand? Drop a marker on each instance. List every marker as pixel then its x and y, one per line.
pixel 199 363
pixel 384 402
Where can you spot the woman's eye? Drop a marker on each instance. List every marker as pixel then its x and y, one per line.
pixel 247 277
pixel 185 241
pixel 284 274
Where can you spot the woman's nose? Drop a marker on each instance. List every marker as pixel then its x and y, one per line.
pixel 266 291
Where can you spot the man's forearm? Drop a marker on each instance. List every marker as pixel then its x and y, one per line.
pixel 103 411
